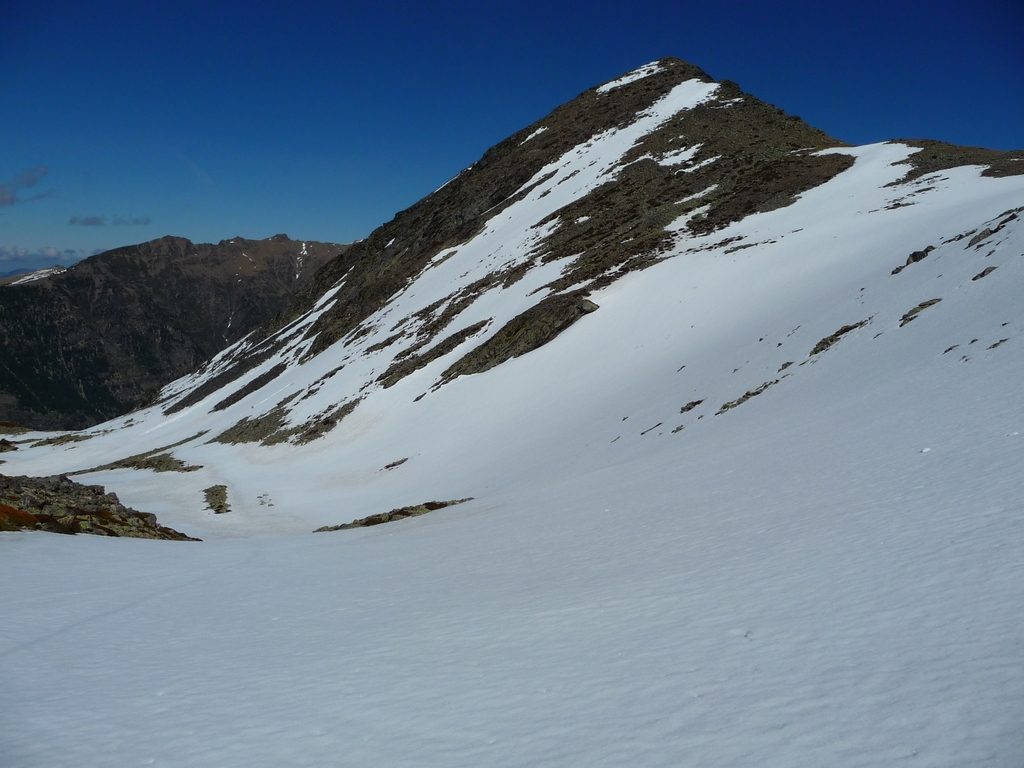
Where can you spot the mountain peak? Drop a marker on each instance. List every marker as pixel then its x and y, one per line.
pixel 670 65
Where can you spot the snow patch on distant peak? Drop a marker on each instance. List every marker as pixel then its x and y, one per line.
pixel 38 275
pixel 630 77
pixel 538 132
pixel 698 195
pixel 300 260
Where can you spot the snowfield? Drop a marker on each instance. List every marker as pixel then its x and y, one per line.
pixel 694 539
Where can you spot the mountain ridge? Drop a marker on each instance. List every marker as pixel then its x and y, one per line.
pixel 743 157
pixel 90 342
pixel 488 269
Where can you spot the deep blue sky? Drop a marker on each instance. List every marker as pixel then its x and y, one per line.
pixel 127 121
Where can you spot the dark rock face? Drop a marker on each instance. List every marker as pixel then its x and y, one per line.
pixel 100 339
pixel 60 505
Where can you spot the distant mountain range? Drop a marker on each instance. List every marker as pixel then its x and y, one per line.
pixel 94 341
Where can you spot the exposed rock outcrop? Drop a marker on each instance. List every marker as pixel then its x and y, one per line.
pixel 60 505
pixel 399 513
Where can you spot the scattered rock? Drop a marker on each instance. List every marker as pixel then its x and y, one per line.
pixel 913 313
pixel 399 513
pixel 746 396
pixel 980 237
pixel 984 273
pixel 913 258
pixel 71 437
pixel 690 406
pixel 217 499
pixel 828 341
pixel 161 462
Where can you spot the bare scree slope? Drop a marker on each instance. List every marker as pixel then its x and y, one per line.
pixel 731 411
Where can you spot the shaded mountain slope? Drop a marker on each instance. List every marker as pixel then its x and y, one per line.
pixel 84 345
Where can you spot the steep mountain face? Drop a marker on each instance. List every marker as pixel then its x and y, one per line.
pixel 663 175
pixel 671 432
pixel 92 342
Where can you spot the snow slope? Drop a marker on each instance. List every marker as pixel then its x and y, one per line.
pixel 31 277
pixel 819 563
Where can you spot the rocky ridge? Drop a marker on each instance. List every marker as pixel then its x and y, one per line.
pixel 99 339
pixel 690 174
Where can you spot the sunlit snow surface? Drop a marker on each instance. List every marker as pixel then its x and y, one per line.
pixel 829 574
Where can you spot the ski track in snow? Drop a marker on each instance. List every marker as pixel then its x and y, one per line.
pixel 829 573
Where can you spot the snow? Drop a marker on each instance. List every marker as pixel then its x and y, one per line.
pixel 694 166
pixel 826 574
pixel 536 133
pixel 631 77
pixel 39 274
pixel 300 260
pixel 690 610
pixel 679 156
